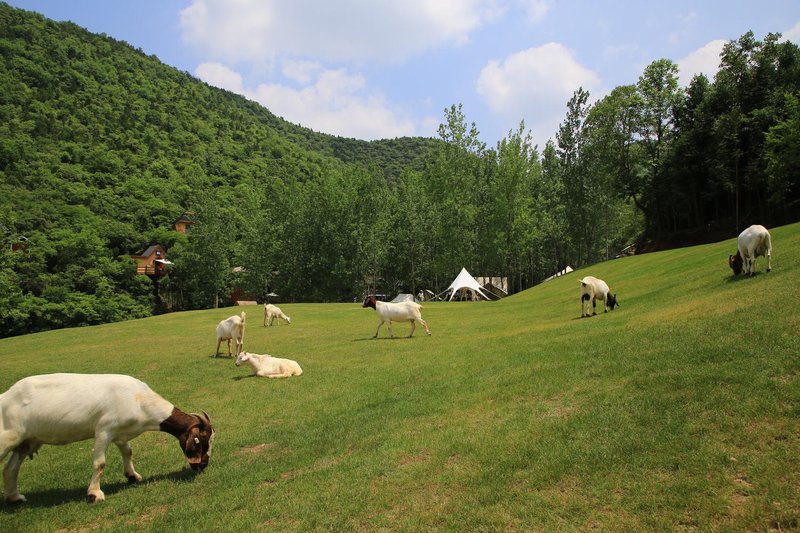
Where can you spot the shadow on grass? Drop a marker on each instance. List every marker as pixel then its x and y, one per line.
pixel 55 497
pixel 239 378
pixel 404 337
pixel 742 277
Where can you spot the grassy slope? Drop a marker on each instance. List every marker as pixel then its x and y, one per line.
pixel 679 409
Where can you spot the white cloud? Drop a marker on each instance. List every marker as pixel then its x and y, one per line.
pixel 346 30
pixel 704 60
pixel 793 34
pixel 336 102
pixel 535 85
pixel 301 71
pixel 536 10
pixel 219 75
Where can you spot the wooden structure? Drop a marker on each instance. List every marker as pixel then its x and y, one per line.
pixel 497 286
pixel 152 261
pixel 183 223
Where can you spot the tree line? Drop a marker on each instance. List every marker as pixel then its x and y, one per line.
pixel 102 147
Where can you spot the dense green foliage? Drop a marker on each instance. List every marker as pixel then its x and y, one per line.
pixel 102 147
pixel 676 411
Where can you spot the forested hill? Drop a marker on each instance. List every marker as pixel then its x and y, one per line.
pixel 102 147
pixel 53 70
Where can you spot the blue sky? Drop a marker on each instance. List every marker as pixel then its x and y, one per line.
pixel 374 69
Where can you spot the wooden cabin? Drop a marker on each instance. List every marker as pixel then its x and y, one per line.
pixel 183 223
pixel 152 262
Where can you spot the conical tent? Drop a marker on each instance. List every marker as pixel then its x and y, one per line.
pixel 465 281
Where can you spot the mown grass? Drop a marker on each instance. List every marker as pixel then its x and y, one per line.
pixel 679 410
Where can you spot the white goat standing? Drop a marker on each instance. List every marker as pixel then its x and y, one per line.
pixel 398 312
pixel 271 312
pixel 753 242
pixel 65 408
pixel 593 289
pixel 267 366
pixel 232 328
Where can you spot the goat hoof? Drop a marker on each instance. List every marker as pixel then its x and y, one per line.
pixel 16 499
pixel 134 478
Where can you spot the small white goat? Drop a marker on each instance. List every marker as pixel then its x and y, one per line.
pixel 271 312
pixel 398 312
pixel 593 289
pixel 65 408
pixel 267 366
pixel 753 242
pixel 232 328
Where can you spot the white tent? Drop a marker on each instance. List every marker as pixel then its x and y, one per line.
pixel 559 273
pixel 465 281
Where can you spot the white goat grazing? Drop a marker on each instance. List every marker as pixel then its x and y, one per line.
pixel 753 242
pixel 65 408
pixel 232 328
pixel 593 289
pixel 267 366
pixel 271 312
pixel 398 312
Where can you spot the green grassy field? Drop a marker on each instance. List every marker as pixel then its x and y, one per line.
pixel 678 410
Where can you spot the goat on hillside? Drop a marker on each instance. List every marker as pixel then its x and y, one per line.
pixel 593 289
pixel 65 408
pixel 753 242
pixel 271 312
pixel 232 328
pixel 398 312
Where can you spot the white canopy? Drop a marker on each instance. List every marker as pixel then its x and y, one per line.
pixel 465 281
pixel 559 273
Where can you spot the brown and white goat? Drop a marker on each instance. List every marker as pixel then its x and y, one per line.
pixel 65 408
pixel 398 312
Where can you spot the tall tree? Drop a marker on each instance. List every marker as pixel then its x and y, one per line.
pixel 570 140
pixel 456 184
pixel 659 90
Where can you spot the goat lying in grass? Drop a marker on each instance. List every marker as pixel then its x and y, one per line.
pixel 267 366
pixel 399 312
pixel 65 408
